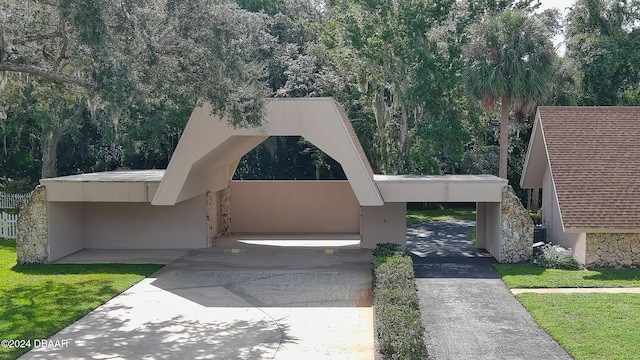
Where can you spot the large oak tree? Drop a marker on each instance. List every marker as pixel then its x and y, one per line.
pixel 110 56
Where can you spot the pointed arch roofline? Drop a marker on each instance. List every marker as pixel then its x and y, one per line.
pixel 209 149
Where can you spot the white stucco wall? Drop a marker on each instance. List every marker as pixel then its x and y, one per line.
pixel 144 226
pixel 488 227
pixel 492 229
pixel 294 207
pixel 66 228
pixel 553 222
pixel 384 224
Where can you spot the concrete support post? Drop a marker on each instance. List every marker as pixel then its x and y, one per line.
pixel 481 225
pixel 384 224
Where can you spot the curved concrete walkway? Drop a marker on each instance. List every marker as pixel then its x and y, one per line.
pixel 467 310
pixel 235 301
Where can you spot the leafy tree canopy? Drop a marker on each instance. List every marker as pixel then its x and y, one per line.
pixel 130 52
pixel 603 42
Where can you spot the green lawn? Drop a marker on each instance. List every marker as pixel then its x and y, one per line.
pixel 589 326
pixel 420 216
pixel 530 276
pixel 36 301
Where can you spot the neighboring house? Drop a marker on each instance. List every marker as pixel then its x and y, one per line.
pixel 195 199
pixel 586 160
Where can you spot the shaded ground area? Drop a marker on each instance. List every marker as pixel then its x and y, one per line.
pixel 467 310
pixel 443 241
pixel 235 301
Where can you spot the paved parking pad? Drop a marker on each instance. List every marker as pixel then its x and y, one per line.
pixel 467 310
pixel 254 302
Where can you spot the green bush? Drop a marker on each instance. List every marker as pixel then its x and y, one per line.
pixel 384 252
pixel 402 332
pixel 398 324
pixel 387 250
pixel 395 272
pixel 400 297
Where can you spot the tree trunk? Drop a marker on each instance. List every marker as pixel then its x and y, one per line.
pixel 50 147
pixel 504 136
pixel 49 158
pixel 535 206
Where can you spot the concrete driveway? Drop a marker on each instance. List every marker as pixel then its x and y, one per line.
pixel 235 301
pixel 466 308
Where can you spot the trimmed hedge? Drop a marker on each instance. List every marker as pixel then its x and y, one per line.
pixel 398 324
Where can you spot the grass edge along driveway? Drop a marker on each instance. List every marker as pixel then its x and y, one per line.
pixel 37 301
pixel 421 216
pixel 588 326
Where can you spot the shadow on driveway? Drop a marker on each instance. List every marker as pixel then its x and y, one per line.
pixel 259 302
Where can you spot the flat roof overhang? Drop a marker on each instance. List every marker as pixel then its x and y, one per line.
pixel 440 188
pixel 109 186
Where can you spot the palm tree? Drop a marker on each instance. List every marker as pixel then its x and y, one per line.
pixel 509 59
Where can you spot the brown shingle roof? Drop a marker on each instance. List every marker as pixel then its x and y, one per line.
pixel 594 154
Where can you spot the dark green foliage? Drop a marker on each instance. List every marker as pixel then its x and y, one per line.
pixel 288 158
pixel 602 43
pixel 270 7
pixel 87 17
pixel 386 250
pixel 398 324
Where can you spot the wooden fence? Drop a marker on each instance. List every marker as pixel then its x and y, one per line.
pixel 14 201
pixel 9 219
pixel 8 225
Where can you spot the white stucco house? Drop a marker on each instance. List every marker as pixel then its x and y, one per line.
pixel 195 200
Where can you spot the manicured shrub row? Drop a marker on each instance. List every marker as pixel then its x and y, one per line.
pixel 398 325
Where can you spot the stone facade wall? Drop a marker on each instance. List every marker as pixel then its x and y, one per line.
pixel 613 250
pixel 211 219
pixel 516 229
pixel 33 232
pixel 225 211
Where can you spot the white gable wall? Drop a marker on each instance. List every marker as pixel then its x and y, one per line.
pixel 553 222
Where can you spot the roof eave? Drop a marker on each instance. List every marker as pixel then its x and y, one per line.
pixel 532 175
pixel 602 230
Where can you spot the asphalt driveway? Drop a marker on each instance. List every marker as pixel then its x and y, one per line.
pixel 467 310
pixel 235 301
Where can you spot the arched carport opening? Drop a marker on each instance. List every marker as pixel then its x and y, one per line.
pixel 287 191
pixel 210 152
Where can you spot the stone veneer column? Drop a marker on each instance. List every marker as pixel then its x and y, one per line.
pixel 211 217
pixel 225 211
pixel 33 230
pixel 516 229
pixel 613 250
